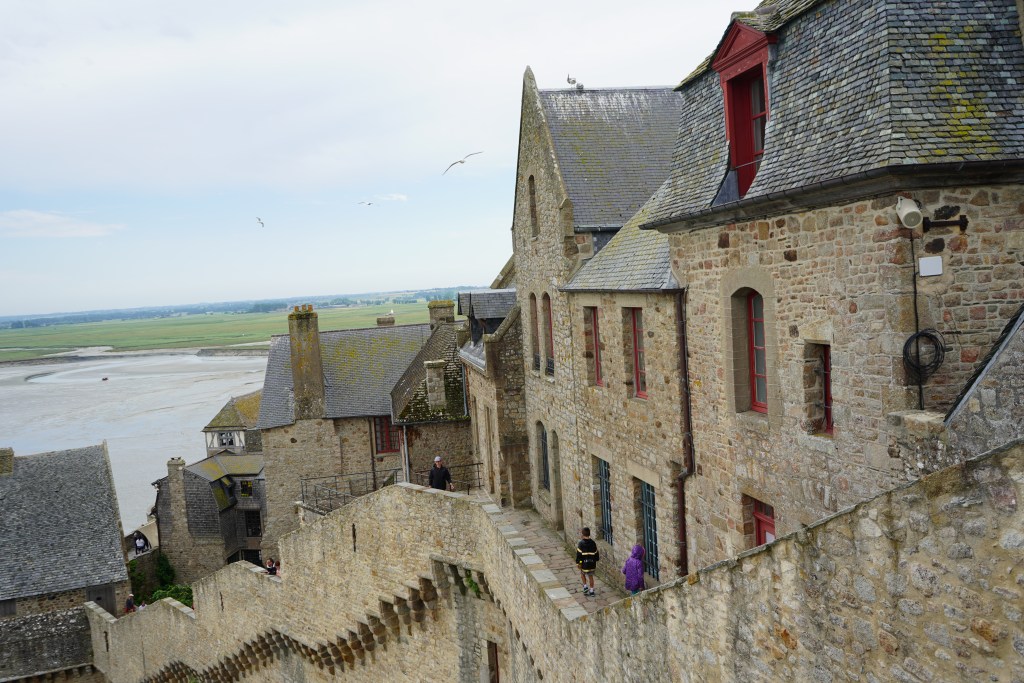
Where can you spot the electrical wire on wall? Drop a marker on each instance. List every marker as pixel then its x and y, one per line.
pixel 920 369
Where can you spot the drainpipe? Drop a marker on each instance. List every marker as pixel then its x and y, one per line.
pixel 405 454
pixel 688 466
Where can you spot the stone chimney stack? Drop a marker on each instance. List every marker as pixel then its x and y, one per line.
pixel 386 320
pixel 435 383
pixel 6 462
pixel 441 312
pixel 307 367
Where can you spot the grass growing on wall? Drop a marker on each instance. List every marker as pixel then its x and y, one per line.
pixel 199 331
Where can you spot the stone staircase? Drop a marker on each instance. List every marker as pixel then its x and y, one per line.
pixel 406 605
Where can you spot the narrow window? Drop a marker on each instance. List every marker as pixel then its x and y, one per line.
pixel 245 488
pixel 604 486
pixel 756 349
pixel 549 337
pixel 387 437
pixel 649 525
pixel 253 524
pixel 636 318
pixel 545 473
pixel 493 675
pixel 764 523
pixel 826 390
pixel 8 608
pixel 749 116
pixel 592 345
pixel 534 333
pixel 534 223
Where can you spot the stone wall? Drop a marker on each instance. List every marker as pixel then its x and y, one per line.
pixel 843 277
pixel 920 583
pixel 192 555
pixel 49 641
pixel 453 441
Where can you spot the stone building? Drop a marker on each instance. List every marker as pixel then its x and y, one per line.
pixel 347 411
pixel 60 540
pixel 233 429
pixel 211 513
pixel 493 357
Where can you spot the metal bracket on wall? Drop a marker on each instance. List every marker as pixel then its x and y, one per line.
pixel 961 222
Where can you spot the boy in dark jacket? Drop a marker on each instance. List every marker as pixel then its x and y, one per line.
pixel 586 559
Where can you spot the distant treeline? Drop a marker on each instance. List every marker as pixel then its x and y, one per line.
pixel 260 306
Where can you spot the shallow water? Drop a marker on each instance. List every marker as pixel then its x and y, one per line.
pixel 151 408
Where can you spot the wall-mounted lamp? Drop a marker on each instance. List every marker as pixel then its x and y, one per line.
pixel 909 212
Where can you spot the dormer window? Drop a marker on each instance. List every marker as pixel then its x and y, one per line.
pixel 742 66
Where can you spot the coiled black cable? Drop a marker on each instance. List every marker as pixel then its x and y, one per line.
pixel 918 369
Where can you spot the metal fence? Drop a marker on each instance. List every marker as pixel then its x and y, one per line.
pixel 325 494
pixel 464 477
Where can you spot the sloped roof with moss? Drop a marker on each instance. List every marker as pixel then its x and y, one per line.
pixel 219 466
pixel 360 368
pixel 240 412
pixel 409 397
pixel 60 528
pixel 859 90
pixel 614 147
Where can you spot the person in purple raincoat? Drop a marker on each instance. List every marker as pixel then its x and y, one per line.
pixel 634 570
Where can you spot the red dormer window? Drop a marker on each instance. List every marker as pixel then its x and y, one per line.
pixel 741 63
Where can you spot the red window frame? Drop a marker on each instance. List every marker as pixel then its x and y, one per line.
pixel 387 438
pixel 639 369
pixel 764 523
pixel 598 378
pixel 748 103
pixel 826 376
pixel 757 351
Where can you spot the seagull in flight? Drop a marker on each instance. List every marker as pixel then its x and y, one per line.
pixel 367 203
pixel 258 220
pixel 460 161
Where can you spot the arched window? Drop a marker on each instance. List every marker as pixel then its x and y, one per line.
pixel 534 223
pixel 545 469
pixel 756 353
pixel 534 334
pixel 549 336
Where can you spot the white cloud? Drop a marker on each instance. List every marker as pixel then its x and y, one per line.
pixel 27 223
pixel 392 197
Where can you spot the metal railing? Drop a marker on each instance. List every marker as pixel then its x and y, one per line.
pixel 325 494
pixel 464 477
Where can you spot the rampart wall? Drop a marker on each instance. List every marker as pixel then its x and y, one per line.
pixel 921 583
pixel 49 642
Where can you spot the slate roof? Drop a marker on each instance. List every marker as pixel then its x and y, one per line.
pixel 442 345
pixel 1013 325
pixel 487 303
pixel 613 147
pixel 634 260
pixel 60 528
pixel 219 466
pixel 857 87
pixel 360 369
pixel 240 412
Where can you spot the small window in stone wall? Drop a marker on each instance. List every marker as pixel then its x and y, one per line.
pixel 758 522
pixel 633 343
pixel 8 608
pixel 817 383
pixel 245 488
pixel 749 351
pixel 387 437
pixel 534 333
pixel 592 345
pixel 534 222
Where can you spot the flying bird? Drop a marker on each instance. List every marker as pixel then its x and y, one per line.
pixel 570 80
pixel 367 203
pixel 460 161
pixel 258 220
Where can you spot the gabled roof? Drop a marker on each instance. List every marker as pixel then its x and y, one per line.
pixel 360 369
pixel 487 303
pixel 442 345
pixel 634 260
pixel 613 147
pixel 862 100
pixel 60 528
pixel 240 412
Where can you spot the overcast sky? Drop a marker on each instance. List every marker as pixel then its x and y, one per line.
pixel 140 141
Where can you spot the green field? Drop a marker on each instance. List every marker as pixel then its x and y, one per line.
pixel 205 331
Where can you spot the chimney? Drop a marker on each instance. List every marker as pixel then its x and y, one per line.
pixel 386 320
pixel 307 368
pixel 175 466
pixel 435 383
pixel 441 312
pixel 6 462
